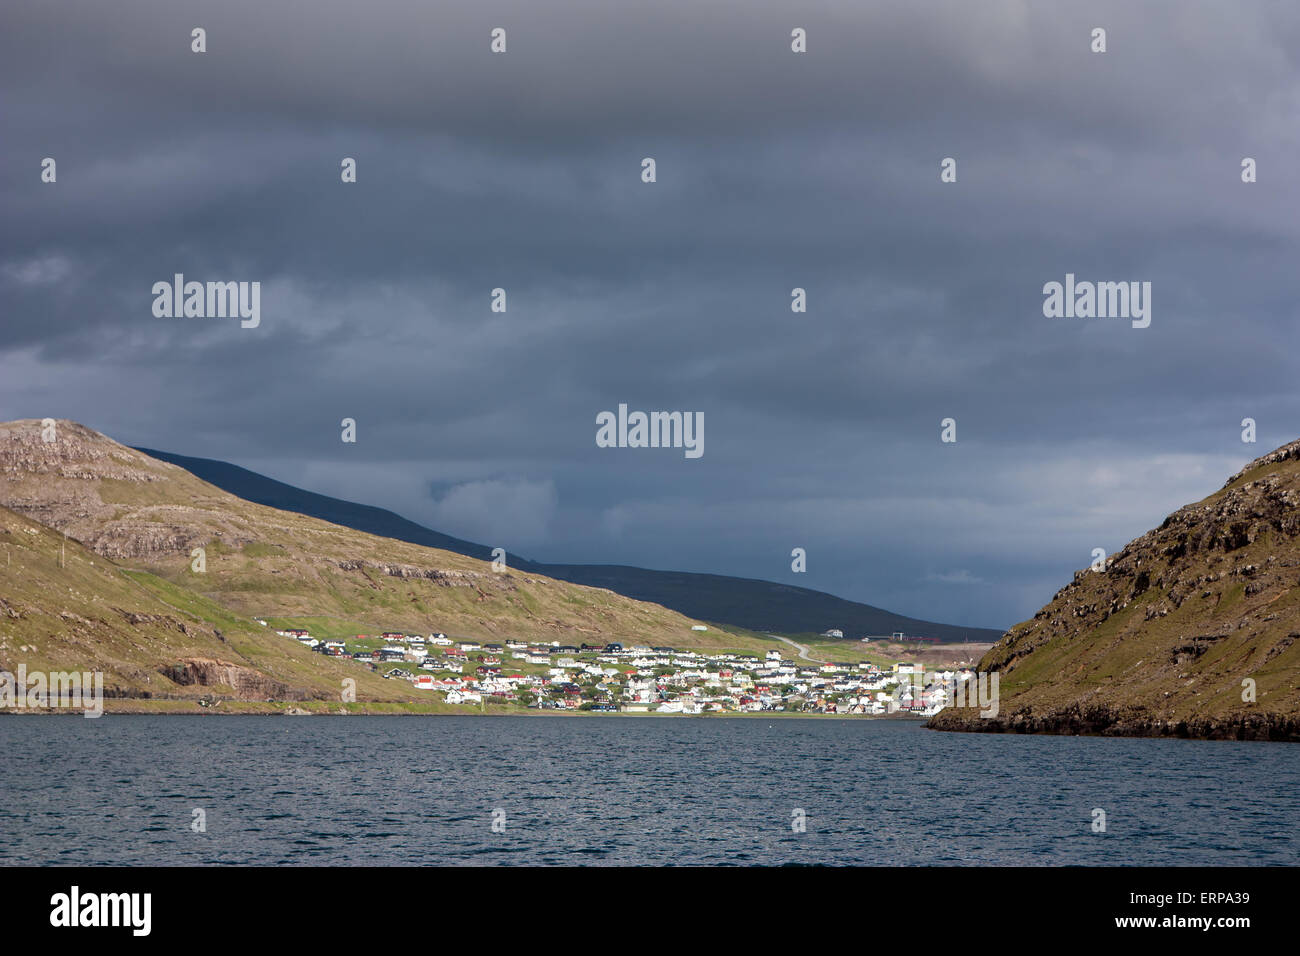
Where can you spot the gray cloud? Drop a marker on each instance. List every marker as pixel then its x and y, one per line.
pixel 775 171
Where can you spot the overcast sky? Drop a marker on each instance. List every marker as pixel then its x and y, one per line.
pixel 819 170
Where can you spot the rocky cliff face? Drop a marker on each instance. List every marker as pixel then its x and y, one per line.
pixel 246 683
pixel 114 500
pixel 1191 629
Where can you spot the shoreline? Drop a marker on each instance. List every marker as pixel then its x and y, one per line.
pixel 1261 727
pixel 377 709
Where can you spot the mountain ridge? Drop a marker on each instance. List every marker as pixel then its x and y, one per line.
pixel 750 603
pixel 259 561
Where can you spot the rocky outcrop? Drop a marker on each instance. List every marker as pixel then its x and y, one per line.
pixel 95 491
pixel 449 578
pixel 1125 722
pixel 246 683
pixel 1190 630
pixel 73 452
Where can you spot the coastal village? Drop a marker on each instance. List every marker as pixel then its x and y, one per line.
pixel 613 678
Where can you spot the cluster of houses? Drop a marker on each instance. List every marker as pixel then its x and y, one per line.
pixel 641 679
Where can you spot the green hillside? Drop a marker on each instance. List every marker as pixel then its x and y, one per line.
pixel 65 608
pixel 151 516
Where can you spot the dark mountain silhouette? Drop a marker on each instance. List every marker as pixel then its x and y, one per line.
pixel 761 606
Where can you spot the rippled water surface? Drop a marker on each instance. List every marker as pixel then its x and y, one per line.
pixel 612 790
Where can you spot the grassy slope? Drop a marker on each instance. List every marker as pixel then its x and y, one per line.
pixel 63 607
pixel 1174 625
pixel 263 562
pixel 139 520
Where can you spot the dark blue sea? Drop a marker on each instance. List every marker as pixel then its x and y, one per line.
pixel 628 790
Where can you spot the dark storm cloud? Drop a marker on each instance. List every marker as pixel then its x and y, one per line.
pixel 775 171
